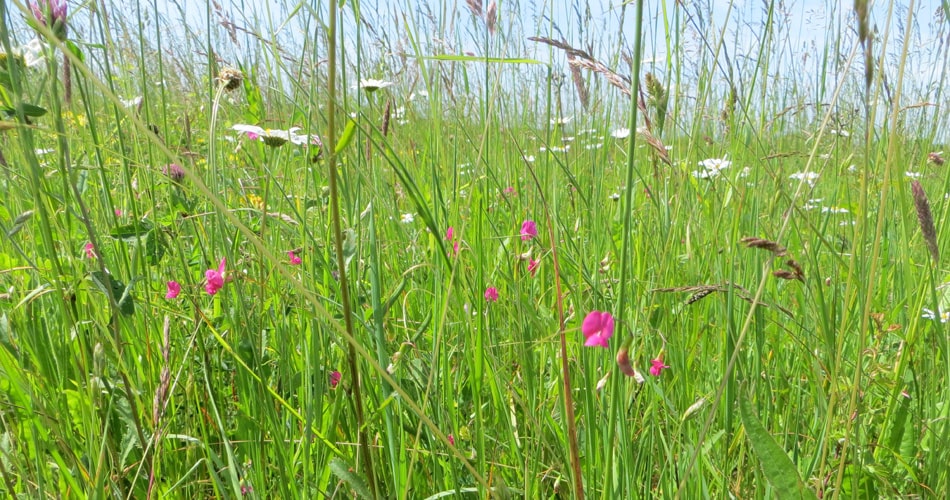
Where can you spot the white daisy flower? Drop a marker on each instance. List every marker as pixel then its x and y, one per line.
pixel 372 85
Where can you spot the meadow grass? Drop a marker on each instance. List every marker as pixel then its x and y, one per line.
pixel 392 300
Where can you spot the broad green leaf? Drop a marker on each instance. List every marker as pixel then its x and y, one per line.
pixel 341 470
pixel 348 133
pixel 349 247
pixel 76 51
pixel 777 467
pixel 121 293
pixel 154 246
pixel 130 233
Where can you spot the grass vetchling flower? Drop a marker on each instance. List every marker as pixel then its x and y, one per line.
pixel 597 328
pixel 215 279
pixel 491 294
pixel 657 367
pixel 335 378
pixel 173 290
pixel 529 229
pixel 294 260
pixel 533 266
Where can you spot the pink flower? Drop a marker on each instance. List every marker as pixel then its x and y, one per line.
pixel 597 328
pixel 215 279
pixel 533 266
pixel 335 378
pixel 294 260
pixel 173 290
pixel 491 294
pixel 450 233
pixel 657 367
pixel 118 212
pixel 451 439
pixel 90 250
pixel 455 248
pixel 510 191
pixel 529 229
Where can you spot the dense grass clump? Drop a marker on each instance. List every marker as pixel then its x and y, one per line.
pixel 511 250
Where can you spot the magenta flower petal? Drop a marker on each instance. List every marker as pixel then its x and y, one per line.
pixel 173 290
pixel 529 229
pixel 294 260
pixel 335 378
pixel 597 328
pixel 215 279
pixel 657 367
pixel 533 266
pixel 491 294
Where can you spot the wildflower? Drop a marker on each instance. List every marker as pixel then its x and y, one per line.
pixel 834 209
pixel 90 250
pixel 29 54
pixel 657 366
pixel 597 328
pixel 215 279
pixel 372 85
pixel 620 133
pixel 407 218
pixel 229 77
pixel 52 14
pixel 335 378
pixel 174 172
pixel 276 138
pixel 928 314
pixel 711 167
pixel 450 233
pixel 912 175
pixel 134 102
pixel 294 260
pixel 935 157
pixel 173 290
pixel 715 164
pixel 533 266
pixel 118 212
pixel 623 361
pixel 451 439
pixel 253 132
pixel 808 177
pixel 529 229
pixel 842 133
pixel 510 191
pixel 491 294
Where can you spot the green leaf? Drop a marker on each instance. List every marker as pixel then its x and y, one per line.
pixel 75 50
pixel 130 233
pixel 348 133
pixel 121 293
pixel 341 470
pixel 349 247
pixel 33 110
pixel 777 467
